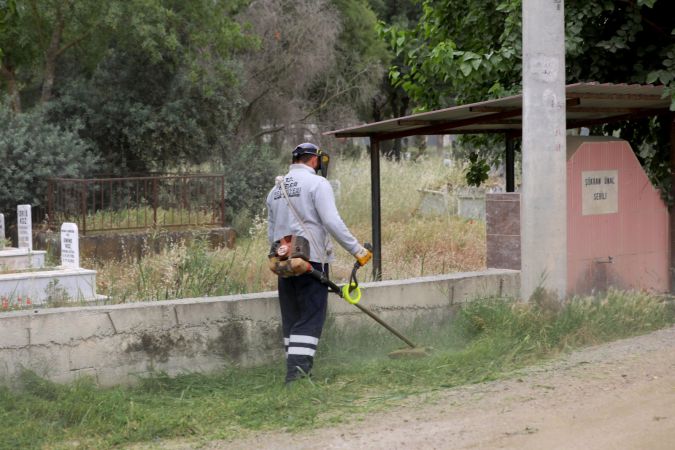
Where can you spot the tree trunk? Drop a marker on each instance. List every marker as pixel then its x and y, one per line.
pixel 51 56
pixel 401 108
pixel 9 74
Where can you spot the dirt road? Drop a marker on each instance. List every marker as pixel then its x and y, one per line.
pixel 615 396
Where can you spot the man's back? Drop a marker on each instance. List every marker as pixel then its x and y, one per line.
pixel 312 198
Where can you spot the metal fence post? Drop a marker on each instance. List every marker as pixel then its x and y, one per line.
pixel 155 201
pixel 222 200
pixel 50 202
pixel 83 196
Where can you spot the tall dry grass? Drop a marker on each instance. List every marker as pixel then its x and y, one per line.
pixel 412 245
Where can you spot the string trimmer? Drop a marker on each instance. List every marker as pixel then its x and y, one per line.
pixel 351 293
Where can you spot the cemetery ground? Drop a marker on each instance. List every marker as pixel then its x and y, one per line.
pixel 613 396
pixel 505 374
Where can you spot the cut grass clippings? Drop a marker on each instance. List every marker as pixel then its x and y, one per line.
pixel 488 339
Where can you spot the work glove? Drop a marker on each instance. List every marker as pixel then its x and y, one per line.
pixel 363 255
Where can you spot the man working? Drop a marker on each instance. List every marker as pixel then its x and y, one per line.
pixel 302 204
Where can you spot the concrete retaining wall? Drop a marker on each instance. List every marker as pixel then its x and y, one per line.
pixel 119 343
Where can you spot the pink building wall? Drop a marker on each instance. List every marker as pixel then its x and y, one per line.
pixel 624 241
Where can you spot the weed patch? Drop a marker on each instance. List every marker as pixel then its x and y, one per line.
pixel 486 340
pixel 413 245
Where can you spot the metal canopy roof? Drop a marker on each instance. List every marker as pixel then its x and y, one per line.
pixel 587 104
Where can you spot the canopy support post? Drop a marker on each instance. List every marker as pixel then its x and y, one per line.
pixel 510 163
pixel 376 209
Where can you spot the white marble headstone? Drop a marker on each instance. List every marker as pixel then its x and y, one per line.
pixel 24 226
pixel 2 231
pixel 70 246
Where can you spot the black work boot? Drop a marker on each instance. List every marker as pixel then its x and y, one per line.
pixel 296 373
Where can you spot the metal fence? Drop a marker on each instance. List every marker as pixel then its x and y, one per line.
pixel 135 203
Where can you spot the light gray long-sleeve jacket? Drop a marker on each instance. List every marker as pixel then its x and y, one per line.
pixel 312 197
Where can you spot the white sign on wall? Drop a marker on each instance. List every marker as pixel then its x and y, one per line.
pixel 599 192
pixel 2 231
pixel 24 226
pixel 70 246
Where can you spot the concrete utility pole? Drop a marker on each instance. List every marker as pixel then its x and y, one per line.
pixel 543 217
pixel 672 208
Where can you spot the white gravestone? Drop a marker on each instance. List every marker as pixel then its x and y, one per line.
pixel 25 227
pixel 70 246
pixel 2 231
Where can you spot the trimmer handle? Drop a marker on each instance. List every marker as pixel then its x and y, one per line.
pixel 345 291
pixel 362 257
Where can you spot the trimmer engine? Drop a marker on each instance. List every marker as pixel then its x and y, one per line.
pixel 289 256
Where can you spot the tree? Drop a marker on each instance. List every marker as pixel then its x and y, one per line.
pixel 153 82
pixel 458 52
pixel 37 35
pixel 16 49
pixel 297 40
pixel 391 100
pixel 146 116
pixel 31 150
pixel 318 64
pixel 361 60
pixel 468 51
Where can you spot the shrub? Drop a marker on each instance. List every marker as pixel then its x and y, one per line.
pixel 32 150
pixel 250 174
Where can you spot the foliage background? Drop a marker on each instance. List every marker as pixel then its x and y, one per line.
pixel 31 150
pixel 169 86
pixel 460 52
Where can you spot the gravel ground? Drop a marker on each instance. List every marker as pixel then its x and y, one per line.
pixel 619 395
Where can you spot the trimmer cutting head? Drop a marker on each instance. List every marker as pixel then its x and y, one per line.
pixel 410 353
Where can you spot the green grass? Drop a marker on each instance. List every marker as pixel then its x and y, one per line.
pixel 488 340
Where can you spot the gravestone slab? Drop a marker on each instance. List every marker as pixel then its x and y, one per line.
pixel 70 246
pixel 471 204
pixel 24 227
pixel 434 203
